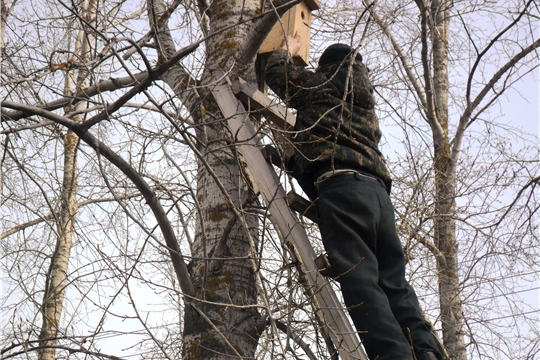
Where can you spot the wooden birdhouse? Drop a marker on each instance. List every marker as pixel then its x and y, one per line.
pixel 297 18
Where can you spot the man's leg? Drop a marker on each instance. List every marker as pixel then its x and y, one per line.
pixel 401 296
pixel 349 216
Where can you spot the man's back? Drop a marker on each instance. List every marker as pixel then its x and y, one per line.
pixel 334 131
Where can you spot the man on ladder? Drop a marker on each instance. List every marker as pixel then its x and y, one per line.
pixel 338 163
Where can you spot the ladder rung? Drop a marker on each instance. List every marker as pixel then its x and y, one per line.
pixel 302 206
pixel 257 100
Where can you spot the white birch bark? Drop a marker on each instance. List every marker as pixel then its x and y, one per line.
pixel 445 182
pixel 56 281
pixel 5 10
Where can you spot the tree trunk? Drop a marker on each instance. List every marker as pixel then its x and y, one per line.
pixel 222 277
pixel 221 269
pixel 5 10
pixel 56 281
pixel 4 14
pixel 445 184
pixel 55 287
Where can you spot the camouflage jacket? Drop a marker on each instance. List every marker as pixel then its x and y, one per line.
pixel 333 131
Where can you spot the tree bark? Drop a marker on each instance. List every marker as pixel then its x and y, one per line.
pixel 222 322
pixel 56 281
pixel 225 278
pixel 5 10
pixel 445 185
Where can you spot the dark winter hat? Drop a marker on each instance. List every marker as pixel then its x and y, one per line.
pixel 336 53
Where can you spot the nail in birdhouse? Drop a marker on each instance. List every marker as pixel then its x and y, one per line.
pixel 297 18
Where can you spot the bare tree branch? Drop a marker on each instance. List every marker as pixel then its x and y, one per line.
pixel 145 189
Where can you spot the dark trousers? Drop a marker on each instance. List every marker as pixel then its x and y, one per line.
pixel 357 224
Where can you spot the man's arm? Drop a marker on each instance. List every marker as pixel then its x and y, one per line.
pixel 283 77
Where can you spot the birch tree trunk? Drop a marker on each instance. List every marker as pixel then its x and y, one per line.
pixel 56 281
pixel 445 184
pixel 5 10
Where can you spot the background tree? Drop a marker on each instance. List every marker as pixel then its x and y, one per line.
pixel 426 55
pixel 55 279
pixel 160 184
